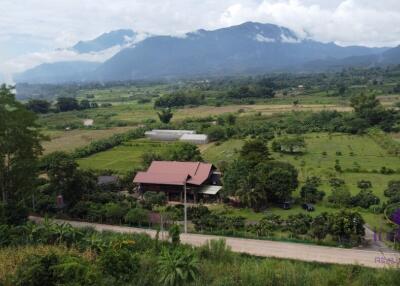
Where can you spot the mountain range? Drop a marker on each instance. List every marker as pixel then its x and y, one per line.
pixel 249 48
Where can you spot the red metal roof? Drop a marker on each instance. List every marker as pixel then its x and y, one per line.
pixel 175 173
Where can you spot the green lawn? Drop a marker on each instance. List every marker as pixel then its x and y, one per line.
pixel 225 151
pixel 123 158
pixel 351 148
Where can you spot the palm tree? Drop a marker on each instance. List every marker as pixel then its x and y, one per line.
pixel 63 231
pixel 47 231
pixel 94 243
pixel 31 231
pixel 177 267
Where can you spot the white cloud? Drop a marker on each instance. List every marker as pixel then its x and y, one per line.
pixel 348 22
pixel 24 62
pixel 289 39
pixel 43 25
pixel 263 39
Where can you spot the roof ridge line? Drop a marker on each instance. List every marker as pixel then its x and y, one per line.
pixel 197 168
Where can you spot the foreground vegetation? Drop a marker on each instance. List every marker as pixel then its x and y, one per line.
pixel 51 254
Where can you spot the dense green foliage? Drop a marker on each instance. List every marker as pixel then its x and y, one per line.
pixel 291 145
pixel 309 191
pixel 93 258
pixel 179 99
pixel 38 105
pixel 19 150
pixel 256 179
pixel 393 192
pixel 165 115
pixel 344 227
pixel 181 151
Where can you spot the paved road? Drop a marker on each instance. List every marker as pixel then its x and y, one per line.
pixel 305 252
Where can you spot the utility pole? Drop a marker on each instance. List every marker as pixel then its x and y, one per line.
pixel 185 207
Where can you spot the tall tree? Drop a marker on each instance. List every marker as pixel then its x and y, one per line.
pixel 369 108
pixel 277 179
pixel 250 194
pixel 184 151
pixel 255 151
pixel 67 104
pixel 38 105
pixel 66 179
pixel 19 149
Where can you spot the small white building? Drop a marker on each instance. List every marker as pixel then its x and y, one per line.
pixel 88 122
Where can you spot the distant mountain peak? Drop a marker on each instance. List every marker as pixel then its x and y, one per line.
pixel 105 41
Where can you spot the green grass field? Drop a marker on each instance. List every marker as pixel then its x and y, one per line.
pixel 351 151
pixel 319 159
pixel 226 151
pixel 70 140
pixel 123 158
pixel 353 148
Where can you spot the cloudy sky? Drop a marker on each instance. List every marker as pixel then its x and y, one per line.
pixel 36 31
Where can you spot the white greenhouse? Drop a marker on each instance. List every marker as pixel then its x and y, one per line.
pixel 194 138
pixel 175 135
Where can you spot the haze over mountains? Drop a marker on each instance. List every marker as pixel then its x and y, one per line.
pixel 249 48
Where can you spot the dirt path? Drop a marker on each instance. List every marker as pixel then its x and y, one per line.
pixel 265 248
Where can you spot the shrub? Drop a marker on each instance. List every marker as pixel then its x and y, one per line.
pixel 152 199
pixel 216 250
pixel 115 212
pixel 320 226
pixel 291 145
pixel 340 196
pixel 137 216
pixel 298 224
pixel 347 226
pixel 365 199
pixel 52 269
pixel 267 225
pixel 309 192
pixel 216 133
pixel 121 264
pixel 196 212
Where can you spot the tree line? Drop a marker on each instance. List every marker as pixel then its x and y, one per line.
pixel 63 104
